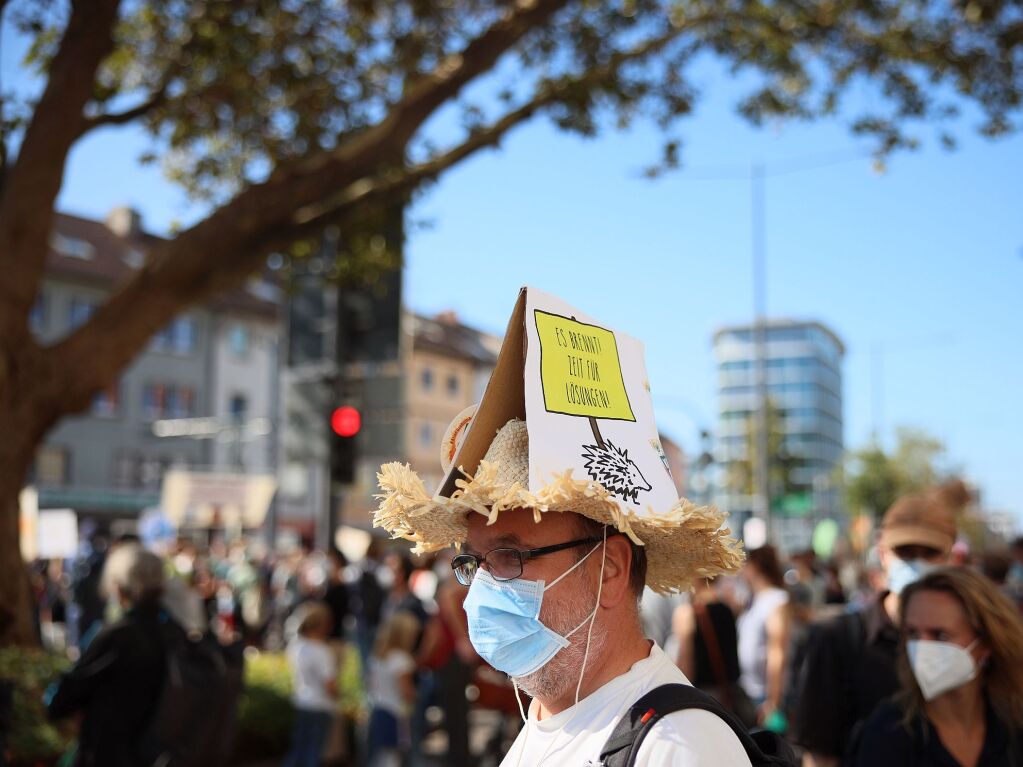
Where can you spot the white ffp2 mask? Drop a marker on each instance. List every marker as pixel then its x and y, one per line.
pixel 940 666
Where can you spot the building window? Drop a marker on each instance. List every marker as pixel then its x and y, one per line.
pixel 106 401
pixel 166 401
pixel 37 317
pixel 178 337
pixel 72 247
pixel 238 407
pixel 127 465
pixel 154 397
pixel 52 465
pixel 427 379
pixel 151 471
pixel 180 402
pixel 425 436
pixel 80 311
pixel 134 258
pixel 238 340
pixel 452 385
pixel 184 335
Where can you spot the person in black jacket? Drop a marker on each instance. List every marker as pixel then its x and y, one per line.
pixel 960 701
pixel 116 683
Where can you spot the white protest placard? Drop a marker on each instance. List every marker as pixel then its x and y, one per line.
pixel 57 531
pixel 588 407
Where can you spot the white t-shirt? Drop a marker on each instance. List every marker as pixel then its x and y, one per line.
pixel 752 629
pixel 384 684
pixel 575 737
pixel 312 666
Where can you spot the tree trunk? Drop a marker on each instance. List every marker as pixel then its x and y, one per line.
pixel 16 453
pixel 30 404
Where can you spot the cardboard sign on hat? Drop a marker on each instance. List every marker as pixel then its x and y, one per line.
pixel 566 424
pixel 588 406
pixel 583 392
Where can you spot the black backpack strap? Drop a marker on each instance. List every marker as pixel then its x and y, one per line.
pixel 622 746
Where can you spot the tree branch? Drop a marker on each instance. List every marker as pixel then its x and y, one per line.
pixel 223 248
pixel 128 115
pixel 33 181
pixel 406 178
pixel 156 99
pixel 424 96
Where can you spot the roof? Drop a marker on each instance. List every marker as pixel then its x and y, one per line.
pixel 446 336
pixel 109 259
pixel 779 322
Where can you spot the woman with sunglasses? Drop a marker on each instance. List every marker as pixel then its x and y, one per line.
pixel 960 702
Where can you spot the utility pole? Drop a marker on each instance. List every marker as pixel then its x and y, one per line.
pixel 877 391
pixel 761 460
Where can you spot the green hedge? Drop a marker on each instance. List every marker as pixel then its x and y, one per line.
pixel 33 739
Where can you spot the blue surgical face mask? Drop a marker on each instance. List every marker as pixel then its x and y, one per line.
pixel 504 622
pixel 901 572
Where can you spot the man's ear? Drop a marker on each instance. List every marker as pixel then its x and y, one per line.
pixel 617 568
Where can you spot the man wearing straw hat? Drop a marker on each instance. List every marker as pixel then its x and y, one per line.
pixel 556 561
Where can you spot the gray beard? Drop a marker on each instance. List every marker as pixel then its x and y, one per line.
pixel 561 674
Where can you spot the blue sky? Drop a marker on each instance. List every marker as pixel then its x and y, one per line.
pixel 923 263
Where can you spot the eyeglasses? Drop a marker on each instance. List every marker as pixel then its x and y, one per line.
pixel 505 564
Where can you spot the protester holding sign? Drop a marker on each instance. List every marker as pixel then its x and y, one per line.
pixel 563 505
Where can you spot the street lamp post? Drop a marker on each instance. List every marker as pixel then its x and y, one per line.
pixel 761 470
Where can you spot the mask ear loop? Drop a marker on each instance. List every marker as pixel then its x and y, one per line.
pixel 518 699
pixel 593 618
pixel 561 577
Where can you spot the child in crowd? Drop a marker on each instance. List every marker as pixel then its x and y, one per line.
pixel 391 688
pixel 314 673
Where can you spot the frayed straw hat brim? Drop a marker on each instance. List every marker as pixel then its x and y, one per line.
pixel 683 544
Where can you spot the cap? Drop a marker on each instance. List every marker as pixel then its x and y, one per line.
pixel 920 520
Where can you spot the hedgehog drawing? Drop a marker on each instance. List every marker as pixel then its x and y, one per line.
pixel 611 467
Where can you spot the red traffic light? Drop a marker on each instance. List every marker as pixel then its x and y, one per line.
pixel 346 421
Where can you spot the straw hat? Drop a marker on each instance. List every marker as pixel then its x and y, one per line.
pixel 683 544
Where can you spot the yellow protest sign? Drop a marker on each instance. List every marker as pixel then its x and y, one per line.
pixel 579 369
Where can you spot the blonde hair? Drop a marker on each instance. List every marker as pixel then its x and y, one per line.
pixel 399 632
pixel 997 623
pixel 316 617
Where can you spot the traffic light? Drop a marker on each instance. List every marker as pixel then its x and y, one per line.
pixel 345 423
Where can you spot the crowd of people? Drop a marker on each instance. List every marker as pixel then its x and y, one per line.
pixel 914 657
pixel 916 663
pixel 401 616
